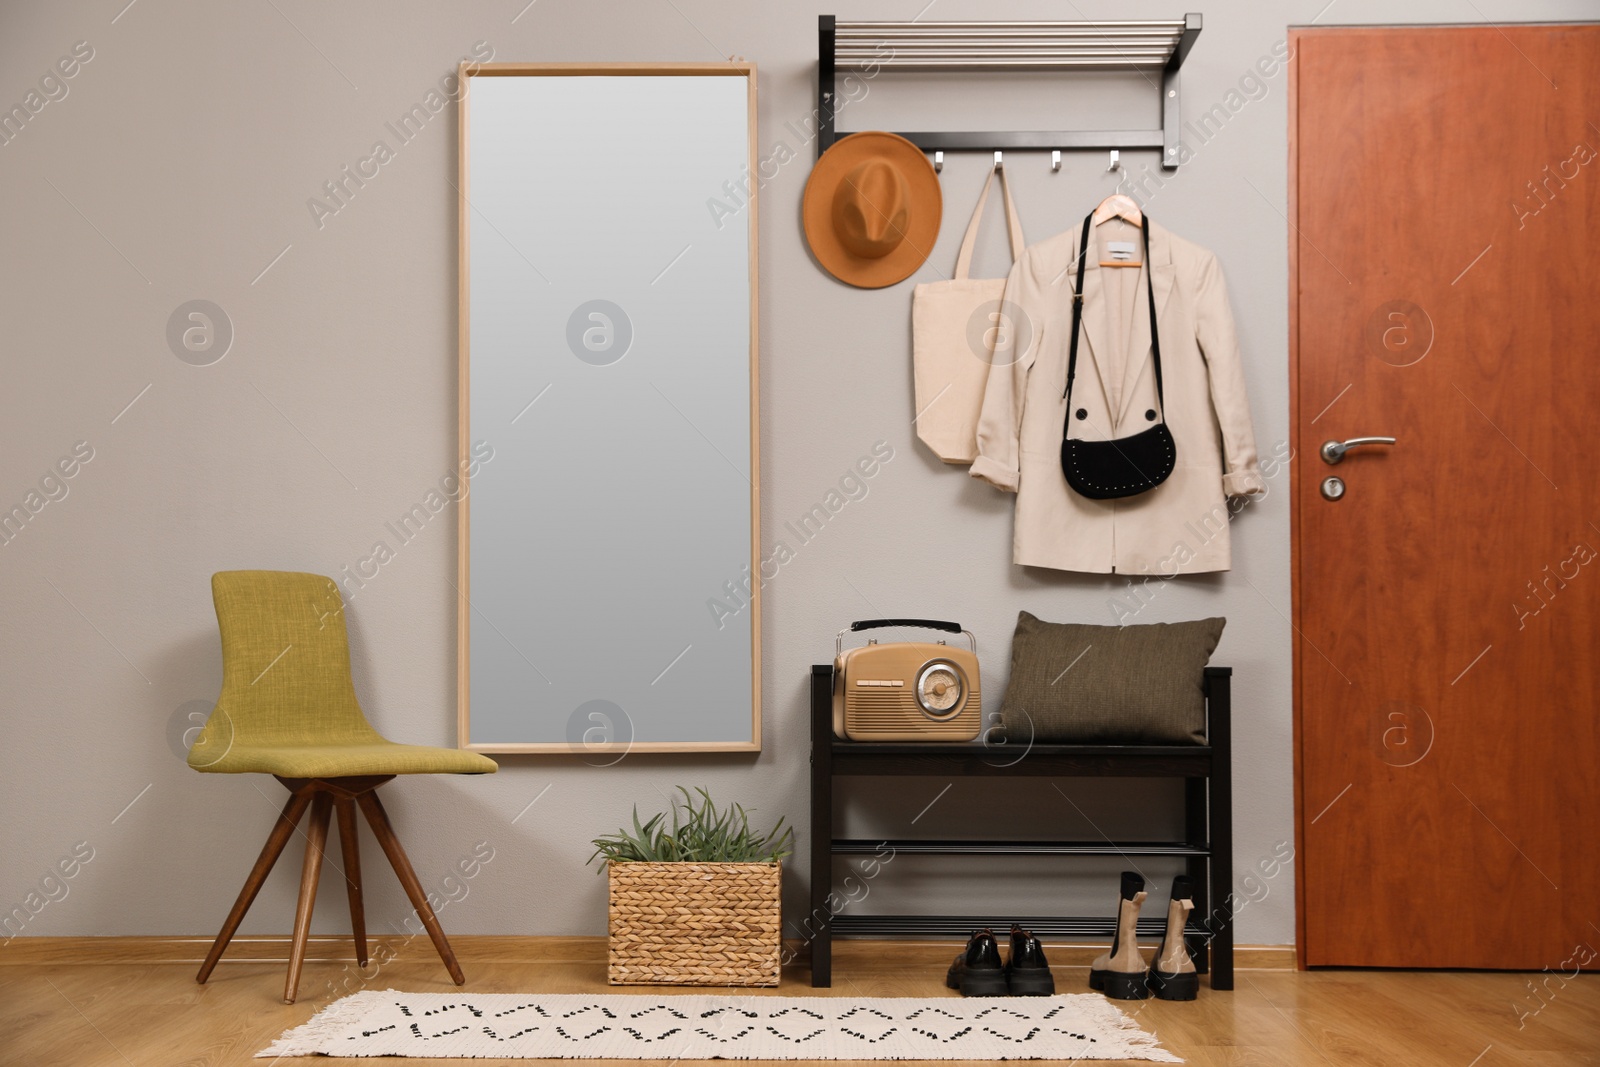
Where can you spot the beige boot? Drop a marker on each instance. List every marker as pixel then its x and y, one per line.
pixel 1172 975
pixel 1120 973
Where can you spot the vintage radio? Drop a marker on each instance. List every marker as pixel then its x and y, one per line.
pixel 906 690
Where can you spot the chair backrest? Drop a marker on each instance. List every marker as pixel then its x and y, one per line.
pixel 285 664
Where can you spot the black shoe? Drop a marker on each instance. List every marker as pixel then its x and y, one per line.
pixel 1027 972
pixel 977 972
pixel 1172 973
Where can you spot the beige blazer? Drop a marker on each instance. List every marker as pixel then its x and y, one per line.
pixel 1181 526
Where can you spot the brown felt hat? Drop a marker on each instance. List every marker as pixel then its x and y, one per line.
pixel 871 209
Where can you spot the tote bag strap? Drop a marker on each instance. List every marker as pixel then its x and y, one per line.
pixel 1013 224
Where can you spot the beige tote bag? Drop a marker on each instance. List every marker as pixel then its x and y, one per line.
pixel 955 327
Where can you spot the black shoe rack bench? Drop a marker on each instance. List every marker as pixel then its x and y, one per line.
pixel 1207 849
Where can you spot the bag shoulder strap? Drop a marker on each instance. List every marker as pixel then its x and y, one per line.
pixel 1013 225
pixel 1155 334
pixel 1077 317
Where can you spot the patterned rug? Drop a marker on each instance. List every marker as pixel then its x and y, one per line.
pixel 565 1026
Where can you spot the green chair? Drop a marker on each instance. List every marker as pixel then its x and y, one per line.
pixel 288 708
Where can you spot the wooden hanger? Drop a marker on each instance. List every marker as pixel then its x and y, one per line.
pixel 1119 206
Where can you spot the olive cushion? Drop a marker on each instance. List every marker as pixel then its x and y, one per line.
pixel 1078 684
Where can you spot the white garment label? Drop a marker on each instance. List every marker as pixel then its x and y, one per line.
pixel 1121 251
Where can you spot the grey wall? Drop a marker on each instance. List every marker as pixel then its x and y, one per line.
pixel 178 166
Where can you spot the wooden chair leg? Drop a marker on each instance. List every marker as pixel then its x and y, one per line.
pixel 316 838
pixel 293 808
pixel 372 808
pixel 352 874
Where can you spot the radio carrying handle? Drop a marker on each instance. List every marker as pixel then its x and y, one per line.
pixel 925 624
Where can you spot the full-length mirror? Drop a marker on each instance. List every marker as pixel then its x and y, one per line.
pixel 608 410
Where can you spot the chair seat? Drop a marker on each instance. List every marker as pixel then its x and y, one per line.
pixel 345 760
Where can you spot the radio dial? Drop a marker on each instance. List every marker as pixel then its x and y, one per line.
pixel 939 689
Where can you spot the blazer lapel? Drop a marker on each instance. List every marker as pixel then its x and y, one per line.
pixel 1096 326
pixel 1139 348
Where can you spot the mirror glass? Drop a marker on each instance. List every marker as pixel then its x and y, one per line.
pixel 608 410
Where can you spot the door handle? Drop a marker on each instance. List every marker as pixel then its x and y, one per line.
pixel 1333 451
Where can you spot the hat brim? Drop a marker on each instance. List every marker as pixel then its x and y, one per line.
pixel 925 201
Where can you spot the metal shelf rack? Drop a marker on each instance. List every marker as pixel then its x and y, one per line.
pixel 1156 46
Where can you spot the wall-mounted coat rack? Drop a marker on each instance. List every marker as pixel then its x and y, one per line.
pixel 1010 46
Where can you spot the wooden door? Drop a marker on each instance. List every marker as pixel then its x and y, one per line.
pixel 1445 290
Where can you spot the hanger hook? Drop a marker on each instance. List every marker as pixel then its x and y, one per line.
pixel 1055 159
pixel 938 162
pixel 1116 160
pixel 998 162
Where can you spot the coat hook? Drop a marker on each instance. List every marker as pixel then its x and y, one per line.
pixel 998 162
pixel 938 162
pixel 1055 159
pixel 1116 160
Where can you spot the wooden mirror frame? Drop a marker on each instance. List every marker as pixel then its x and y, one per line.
pixel 612 752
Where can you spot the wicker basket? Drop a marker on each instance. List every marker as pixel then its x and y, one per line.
pixel 694 923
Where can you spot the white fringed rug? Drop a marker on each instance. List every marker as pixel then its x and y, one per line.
pixel 566 1026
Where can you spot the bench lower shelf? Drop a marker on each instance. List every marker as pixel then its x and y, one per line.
pixel 875 847
pixel 1066 927
pixel 1077 927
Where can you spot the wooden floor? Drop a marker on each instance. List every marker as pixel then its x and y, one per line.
pixel 114 1006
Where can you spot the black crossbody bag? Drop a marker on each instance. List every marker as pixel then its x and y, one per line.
pixel 1127 466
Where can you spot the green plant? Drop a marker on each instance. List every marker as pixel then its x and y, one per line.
pixel 698 833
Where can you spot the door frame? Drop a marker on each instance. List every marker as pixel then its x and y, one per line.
pixel 1292 211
